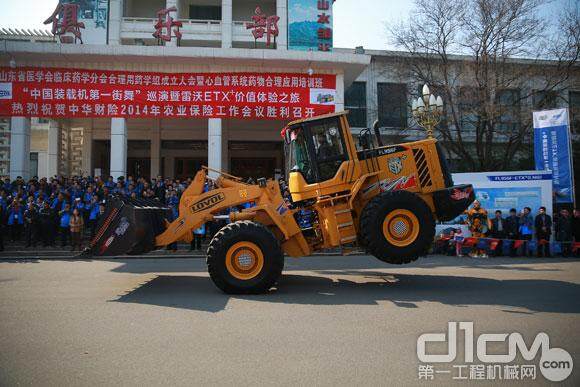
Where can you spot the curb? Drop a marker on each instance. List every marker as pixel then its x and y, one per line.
pixel 51 257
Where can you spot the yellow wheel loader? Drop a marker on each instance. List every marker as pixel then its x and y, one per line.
pixel 384 199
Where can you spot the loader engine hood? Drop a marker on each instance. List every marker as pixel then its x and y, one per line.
pixel 128 226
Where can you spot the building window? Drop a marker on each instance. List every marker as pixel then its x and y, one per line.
pixel 546 99
pixel 355 101
pixel 33 163
pixel 574 106
pixel 205 12
pixel 469 108
pixel 508 107
pixel 392 103
pixel 472 105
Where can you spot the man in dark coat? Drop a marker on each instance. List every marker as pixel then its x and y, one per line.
pixel 498 231
pixel 576 225
pixel 512 227
pixel 564 231
pixel 576 230
pixel 543 226
pixel 159 189
pixel 31 225
pixel 45 219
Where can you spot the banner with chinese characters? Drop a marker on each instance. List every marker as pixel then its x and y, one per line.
pixel 73 93
pixel 310 25
pixel 552 150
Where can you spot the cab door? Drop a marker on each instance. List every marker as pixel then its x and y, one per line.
pixel 327 147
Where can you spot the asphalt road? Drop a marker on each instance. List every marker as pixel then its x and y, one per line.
pixel 332 321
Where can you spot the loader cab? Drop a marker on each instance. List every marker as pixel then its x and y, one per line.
pixel 317 154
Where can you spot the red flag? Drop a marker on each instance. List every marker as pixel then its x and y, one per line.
pixel 469 242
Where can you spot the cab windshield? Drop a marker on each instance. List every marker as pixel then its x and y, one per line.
pixel 316 149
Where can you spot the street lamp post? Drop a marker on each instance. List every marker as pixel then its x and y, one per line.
pixel 428 110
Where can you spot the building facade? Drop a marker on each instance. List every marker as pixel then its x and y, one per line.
pixel 215 41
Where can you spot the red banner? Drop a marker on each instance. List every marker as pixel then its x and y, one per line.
pixel 73 93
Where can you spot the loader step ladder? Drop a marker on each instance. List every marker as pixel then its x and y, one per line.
pixel 344 223
pixel 337 211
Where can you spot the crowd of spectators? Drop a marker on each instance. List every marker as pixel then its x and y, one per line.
pixel 65 211
pixel 512 234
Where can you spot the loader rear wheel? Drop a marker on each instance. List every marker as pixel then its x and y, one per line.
pixel 244 257
pixel 397 227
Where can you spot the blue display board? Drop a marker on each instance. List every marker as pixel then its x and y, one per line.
pixel 506 190
pixel 552 151
pixel 505 199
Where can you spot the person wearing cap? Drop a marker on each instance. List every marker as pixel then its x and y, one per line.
pixel 79 205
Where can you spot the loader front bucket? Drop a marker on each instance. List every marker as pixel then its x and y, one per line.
pixel 128 226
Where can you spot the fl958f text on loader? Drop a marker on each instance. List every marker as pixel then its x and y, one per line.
pixel 384 199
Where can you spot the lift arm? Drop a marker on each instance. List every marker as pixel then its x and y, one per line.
pixel 197 207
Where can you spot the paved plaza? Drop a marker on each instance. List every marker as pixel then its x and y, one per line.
pixel 332 320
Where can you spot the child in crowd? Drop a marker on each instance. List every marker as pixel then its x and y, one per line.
pixel 76 224
pixel 458 238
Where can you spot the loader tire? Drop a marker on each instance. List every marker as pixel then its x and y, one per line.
pixel 244 258
pixel 397 227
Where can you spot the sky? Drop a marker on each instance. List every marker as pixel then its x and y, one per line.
pixel 356 22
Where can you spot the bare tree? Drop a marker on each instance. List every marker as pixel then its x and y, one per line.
pixel 488 59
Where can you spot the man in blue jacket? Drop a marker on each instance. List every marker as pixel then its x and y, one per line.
pixel 93 215
pixel 64 224
pixel 15 220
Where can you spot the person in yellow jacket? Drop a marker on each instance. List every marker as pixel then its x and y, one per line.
pixel 478 222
